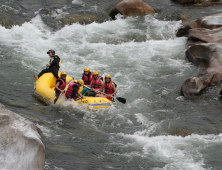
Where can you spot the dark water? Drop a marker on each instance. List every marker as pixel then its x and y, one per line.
pixel 147 62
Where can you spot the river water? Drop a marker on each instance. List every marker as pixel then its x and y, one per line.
pixel 147 62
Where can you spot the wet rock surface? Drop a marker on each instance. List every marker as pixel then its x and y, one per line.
pixel 131 8
pixel 205 49
pixel 21 147
pixel 181 132
pixel 82 19
pixel 208 22
pixel 202 35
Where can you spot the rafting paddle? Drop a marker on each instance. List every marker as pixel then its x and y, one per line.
pixel 62 93
pixel 120 99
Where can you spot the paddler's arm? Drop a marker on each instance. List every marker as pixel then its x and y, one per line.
pixel 90 86
pixel 57 86
pixel 102 87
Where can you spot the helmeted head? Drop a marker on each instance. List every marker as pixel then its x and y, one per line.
pixel 63 74
pixel 86 71
pixel 80 82
pixel 95 74
pixel 108 77
pixel 51 52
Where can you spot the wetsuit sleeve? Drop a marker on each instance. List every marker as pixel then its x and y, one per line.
pixel 82 77
pixel 75 91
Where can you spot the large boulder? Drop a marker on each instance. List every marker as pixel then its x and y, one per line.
pixel 131 8
pixel 208 22
pixel 209 56
pixel 21 147
pixel 202 35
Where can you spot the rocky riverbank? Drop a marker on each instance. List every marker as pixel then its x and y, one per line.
pixel 204 49
pixel 56 14
pixel 21 147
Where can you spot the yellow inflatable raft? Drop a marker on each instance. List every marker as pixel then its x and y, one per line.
pixel 45 91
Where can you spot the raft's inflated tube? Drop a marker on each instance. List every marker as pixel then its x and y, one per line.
pixel 45 91
pixel 45 87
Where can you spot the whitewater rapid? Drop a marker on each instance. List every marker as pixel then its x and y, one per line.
pixel 147 62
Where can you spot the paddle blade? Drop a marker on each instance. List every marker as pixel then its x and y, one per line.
pixel 122 100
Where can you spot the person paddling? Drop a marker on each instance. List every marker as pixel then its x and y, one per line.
pixel 110 88
pixel 72 91
pixel 53 66
pixel 96 84
pixel 61 84
pixel 87 78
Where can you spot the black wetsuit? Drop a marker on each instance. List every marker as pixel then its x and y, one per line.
pixel 53 68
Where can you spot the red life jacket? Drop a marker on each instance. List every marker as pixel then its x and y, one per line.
pixel 61 86
pixel 87 80
pixel 69 91
pixel 96 84
pixel 109 89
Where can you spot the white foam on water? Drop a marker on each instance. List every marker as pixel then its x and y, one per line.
pixel 161 29
pixel 49 166
pixel 174 151
pixel 45 130
pixel 78 2
pixel 180 98
pixel 59 13
pixel 86 46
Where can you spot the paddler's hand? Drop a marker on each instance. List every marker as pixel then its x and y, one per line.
pixel 92 89
pixel 47 65
pixel 62 91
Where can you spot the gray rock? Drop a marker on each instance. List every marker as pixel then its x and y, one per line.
pixel 21 147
